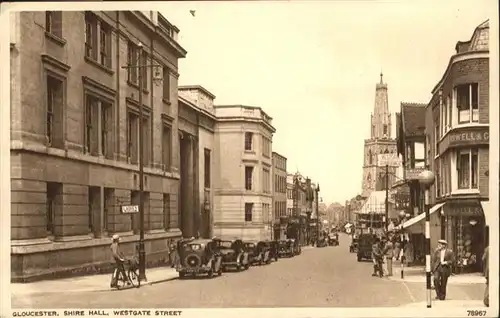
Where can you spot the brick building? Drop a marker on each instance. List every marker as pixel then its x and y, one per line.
pixel 279 193
pixel 457 129
pixel 74 137
pixel 243 188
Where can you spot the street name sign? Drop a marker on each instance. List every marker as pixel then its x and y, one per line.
pixel 130 209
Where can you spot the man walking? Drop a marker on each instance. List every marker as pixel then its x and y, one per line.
pixel 486 266
pixel 389 254
pixel 442 260
pixel 377 258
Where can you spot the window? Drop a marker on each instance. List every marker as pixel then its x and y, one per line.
pixel 166 147
pixel 106 133
pixel 438 184
pixel 248 212
pixel 436 138
pixel 467 103
pixel 53 23
pixel 109 197
pixel 166 211
pixel 266 177
pixel 98 131
pixel 385 131
pixel 54 192
pixel 373 130
pixel 105 45
pixel 266 147
pixel 166 84
pixel 370 157
pixel 419 155
pixel 248 141
pixel 146 134
pixel 132 61
pixel 132 137
pixel 467 165
pixel 54 121
pixel 248 178
pixel 207 163
pixel 90 36
pixel 94 208
pixel 144 70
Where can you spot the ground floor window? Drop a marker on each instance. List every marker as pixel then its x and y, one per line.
pixel 468 241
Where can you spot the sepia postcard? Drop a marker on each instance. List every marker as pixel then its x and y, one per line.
pixel 249 159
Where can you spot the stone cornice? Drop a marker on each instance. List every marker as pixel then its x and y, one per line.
pixel 47 59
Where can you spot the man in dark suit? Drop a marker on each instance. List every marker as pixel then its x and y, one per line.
pixel 442 260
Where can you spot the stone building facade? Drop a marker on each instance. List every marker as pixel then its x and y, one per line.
pixel 74 137
pixel 243 188
pixel 457 129
pixel 279 192
pixel 380 142
pixel 197 144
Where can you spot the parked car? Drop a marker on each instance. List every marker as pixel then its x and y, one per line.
pixel 333 239
pixel 199 257
pixel 233 254
pixel 365 243
pixel 258 252
pixel 273 250
pixel 285 249
pixel 295 246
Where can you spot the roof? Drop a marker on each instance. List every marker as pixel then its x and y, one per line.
pixel 196 87
pixel 375 203
pixel 413 118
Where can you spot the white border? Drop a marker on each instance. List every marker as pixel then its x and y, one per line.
pixel 267 312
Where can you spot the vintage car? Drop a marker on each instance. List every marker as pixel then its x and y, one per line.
pixel 199 257
pixel 258 252
pixel 333 239
pixel 365 243
pixel 273 250
pixel 322 242
pixel 285 249
pixel 233 254
pixel 295 246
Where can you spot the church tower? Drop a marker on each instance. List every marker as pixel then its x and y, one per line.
pixel 380 143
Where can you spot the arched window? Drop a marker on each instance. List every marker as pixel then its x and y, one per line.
pixel 386 150
pixel 370 157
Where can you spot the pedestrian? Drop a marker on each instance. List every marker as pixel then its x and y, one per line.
pixel 377 258
pixel 397 247
pixel 486 299
pixel 389 254
pixel 442 260
pixel 173 255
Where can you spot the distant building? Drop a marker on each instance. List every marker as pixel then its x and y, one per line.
pixel 380 142
pixel 279 192
pixel 290 194
pixel 243 191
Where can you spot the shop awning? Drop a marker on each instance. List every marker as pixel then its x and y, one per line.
pixel 486 205
pixel 421 216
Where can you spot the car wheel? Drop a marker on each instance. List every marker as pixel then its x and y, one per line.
pixel 360 258
pixel 238 268
pixel 182 275
pixel 219 272
pixel 210 273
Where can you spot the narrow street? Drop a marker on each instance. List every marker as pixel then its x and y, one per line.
pixel 319 277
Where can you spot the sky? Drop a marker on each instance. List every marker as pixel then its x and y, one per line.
pixel 313 67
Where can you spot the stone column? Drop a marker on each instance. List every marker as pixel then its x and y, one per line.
pixel 187 203
pixel 196 188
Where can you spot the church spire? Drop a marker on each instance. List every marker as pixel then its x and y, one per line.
pixel 381 117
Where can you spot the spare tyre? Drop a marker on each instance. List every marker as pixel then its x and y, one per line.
pixel 193 260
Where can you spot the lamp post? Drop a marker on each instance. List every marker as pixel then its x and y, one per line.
pixel 139 67
pixel 426 179
pixel 317 210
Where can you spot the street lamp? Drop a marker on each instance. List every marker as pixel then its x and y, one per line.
pixel 140 67
pixel 426 179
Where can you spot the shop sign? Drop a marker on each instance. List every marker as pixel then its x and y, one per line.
pixel 467 136
pixel 413 173
pixel 463 210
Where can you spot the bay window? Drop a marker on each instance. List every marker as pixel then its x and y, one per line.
pixel 467 103
pixel 467 166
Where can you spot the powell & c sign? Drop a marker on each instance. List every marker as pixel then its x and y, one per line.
pixel 466 136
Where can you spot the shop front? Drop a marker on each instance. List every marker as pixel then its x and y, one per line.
pixel 465 233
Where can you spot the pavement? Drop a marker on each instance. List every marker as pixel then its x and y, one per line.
pixel 416 274
pixel 319 277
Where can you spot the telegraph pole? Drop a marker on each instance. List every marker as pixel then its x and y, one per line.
pixel 386 197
